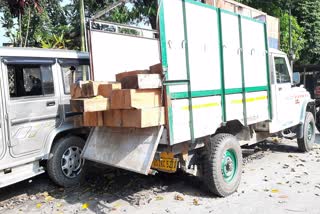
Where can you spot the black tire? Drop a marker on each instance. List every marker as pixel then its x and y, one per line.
pixel 64 153
pixel 215 153
pixel 318 121
pixel 306 143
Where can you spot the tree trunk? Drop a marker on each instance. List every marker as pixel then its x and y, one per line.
pixel 20 28
pixel 28 28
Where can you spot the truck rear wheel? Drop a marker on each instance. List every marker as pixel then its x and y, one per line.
pixel 64 166
pixel 318 121
pixel 222 165
pixel 306 143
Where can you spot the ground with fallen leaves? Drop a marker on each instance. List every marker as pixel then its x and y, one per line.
pixel 276 179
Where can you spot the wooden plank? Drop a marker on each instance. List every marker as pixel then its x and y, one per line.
pixel 136 98
pixel 76 89
pixel 156 69
pixel 93 119
pixel 105 90
pixel 89 104
pixel 90 89
pixel 112 118
pixel 141 81
pixel 143 118
pixel 120 76
pixel 209 2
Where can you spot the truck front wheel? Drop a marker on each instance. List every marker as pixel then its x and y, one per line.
pixel 65 166
pixel 222 164
pixel 306 143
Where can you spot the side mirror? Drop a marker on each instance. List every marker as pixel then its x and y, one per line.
pixel 296 78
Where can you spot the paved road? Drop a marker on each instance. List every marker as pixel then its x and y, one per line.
pixel 276 179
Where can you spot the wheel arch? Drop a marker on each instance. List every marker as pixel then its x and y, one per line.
pixel 63 131
pixel 308 106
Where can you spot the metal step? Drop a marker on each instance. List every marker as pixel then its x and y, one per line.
pixel 19 173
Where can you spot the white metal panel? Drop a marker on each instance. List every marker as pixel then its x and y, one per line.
pixel 231 51
pixel 257 107
pixel 175 45
pixel 254 53
pixel 206 117
pixel 203 46
pixel 114 53
pixel 234 107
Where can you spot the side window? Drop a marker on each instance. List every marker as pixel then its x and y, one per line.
pixel 282 71
pixel 30 80
pixel 73 74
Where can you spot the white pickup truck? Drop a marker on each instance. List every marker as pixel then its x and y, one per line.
pixel 223 88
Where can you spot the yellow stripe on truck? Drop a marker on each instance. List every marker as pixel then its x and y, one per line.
pixel 206 105
pixel 250 100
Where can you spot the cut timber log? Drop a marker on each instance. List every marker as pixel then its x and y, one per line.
pixel 135 98
pixel 134 118
pixel 93 119
pixel 112 118
pixel 105 90
pixel 143 118
pixel 90 89
pixel 120 76
pixel 90 104
pixel 76 89
pixel 156 69
pixel 141 81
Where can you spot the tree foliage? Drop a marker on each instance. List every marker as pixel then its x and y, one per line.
pixel 38 23
pixel 308 16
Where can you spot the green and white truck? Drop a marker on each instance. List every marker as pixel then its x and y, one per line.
pixel 223 88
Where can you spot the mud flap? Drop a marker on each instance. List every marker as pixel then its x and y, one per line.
pixel 130 149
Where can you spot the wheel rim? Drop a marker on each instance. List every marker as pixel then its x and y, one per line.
pixel 71 162
pixel 310 131
pixel 229 165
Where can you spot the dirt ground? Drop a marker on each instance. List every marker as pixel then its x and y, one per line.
pixel 276 179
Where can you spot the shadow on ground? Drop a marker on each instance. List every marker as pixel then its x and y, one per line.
pixel 104 185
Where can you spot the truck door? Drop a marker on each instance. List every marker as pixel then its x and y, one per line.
pixel 282 93
pixel 32 99
pixel 2 136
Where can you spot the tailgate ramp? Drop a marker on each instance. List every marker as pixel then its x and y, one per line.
pixel 125 148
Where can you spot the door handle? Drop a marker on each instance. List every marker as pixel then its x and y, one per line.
pixel 51 103
pixel 280 89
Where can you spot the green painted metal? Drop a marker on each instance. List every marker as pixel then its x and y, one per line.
pixel 229 165
pixel 256 89
pixel 228 12
pixel 206 93
pixel 185 27
pixel 176 82
pixel 251 19
pixel 223 92
pixel 164 61
pixel 244 103
pixel 195 94
pixel 268 71
pixel 233 91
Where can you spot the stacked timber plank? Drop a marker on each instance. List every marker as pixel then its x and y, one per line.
pixel 133 101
